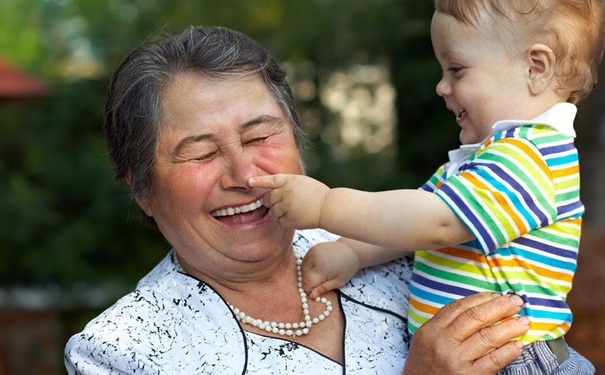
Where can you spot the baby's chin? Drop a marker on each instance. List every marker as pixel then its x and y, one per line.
pixel 468 138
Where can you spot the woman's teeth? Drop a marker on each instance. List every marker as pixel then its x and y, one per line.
pixel 230 211
pixel 460 114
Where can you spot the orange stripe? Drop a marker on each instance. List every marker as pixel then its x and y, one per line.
pixel 550 327
pixel 419 306
pixel 513 262
pixel 464 254
pixel 499 199
pixel 564 172
pixel 529 151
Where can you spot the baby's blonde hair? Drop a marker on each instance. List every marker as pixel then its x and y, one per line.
pixel 573 29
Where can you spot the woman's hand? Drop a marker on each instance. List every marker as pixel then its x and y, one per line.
pixel 463 337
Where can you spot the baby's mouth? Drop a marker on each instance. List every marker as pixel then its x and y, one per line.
pixel 230 211
pixel 461 114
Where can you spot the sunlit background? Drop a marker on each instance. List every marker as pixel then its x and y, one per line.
pixel 362 72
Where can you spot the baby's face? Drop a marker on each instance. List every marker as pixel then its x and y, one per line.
pixel 482 82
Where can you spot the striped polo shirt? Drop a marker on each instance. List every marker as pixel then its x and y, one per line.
pixel 519 194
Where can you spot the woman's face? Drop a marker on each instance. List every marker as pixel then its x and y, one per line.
pixel 215 135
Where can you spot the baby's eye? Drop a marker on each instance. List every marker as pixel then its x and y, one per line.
pixel 456 70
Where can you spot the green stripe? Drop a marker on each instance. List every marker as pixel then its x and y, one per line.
pixel 454 276
pixel 484 209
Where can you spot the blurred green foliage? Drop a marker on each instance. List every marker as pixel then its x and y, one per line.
pixel 63 219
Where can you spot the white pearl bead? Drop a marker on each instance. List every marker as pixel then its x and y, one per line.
pixel 288 329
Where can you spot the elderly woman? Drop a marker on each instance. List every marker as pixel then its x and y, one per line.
pixel 189 119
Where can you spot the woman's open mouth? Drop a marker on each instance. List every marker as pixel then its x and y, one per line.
pixel 230 211
pixel 244 214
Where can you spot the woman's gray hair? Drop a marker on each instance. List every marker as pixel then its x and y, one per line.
pixel 133 110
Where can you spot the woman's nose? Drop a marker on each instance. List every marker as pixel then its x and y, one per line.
pixel 239 167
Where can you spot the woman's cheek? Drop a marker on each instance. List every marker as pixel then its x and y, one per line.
pixel 279 157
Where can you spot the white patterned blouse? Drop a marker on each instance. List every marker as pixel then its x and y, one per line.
pixel 174 324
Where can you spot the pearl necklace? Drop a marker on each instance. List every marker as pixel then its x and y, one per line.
pixel 288 329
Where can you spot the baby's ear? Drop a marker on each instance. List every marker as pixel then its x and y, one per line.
pixel 541 73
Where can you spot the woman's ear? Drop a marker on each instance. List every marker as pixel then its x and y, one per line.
pixel 541 73
pixel 142 201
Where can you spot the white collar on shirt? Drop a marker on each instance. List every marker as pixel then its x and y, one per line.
pixel 559 117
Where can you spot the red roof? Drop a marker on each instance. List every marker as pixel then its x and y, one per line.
pixel 17 84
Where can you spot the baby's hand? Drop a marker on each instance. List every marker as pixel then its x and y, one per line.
pixel 295 200
pixel 328 266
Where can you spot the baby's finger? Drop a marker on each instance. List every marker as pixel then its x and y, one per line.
pixel 270 181
pixel 270 198
pixel 317 292
pixel 311 280
pixel 324 287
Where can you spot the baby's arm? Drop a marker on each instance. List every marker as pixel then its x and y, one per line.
pixel 403 219
pixel 330 265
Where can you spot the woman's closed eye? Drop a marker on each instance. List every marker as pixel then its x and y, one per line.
pixel 256 140
pixel 205 157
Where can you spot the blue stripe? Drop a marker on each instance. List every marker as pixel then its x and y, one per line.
pixel 549 249
pixel 539 314
pixel 434 298
pixel 460 207
pixel 442 286
pixel 575 206
pixel 562 160
pixel 515 187
pixel 555 149
pixel 559 304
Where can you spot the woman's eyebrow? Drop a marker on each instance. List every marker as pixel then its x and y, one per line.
pixel 263 119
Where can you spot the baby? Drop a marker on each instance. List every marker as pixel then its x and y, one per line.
pixel 504 213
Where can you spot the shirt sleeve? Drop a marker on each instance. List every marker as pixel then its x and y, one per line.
pixel 91 355
pixel 435 180
pixel 503 193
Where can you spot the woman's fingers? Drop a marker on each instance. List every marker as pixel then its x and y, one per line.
pixel 497 359
pixel 469 336
pixel 481 310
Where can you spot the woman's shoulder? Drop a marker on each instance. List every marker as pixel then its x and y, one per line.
pixel 155 319
pixel 385 286
pixel 304 239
